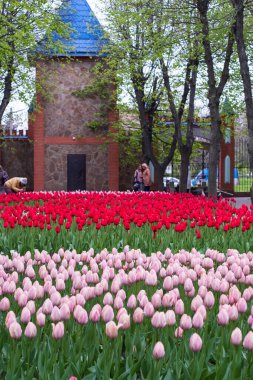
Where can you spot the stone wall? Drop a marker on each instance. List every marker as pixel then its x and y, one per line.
pixel 67 114
pixel 16 156
pixel 96 166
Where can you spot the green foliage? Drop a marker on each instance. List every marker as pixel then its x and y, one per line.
pixel 24 24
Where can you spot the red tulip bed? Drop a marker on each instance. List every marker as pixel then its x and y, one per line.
pixel 125 286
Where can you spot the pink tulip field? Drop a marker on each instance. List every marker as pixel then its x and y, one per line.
pixel 103 285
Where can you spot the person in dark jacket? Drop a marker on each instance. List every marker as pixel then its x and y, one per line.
pixel 3 178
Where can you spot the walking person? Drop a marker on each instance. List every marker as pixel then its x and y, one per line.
pixel 146 177
pixel 138 180
pixel 15 185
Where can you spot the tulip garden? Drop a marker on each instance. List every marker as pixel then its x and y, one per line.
pixel 104 285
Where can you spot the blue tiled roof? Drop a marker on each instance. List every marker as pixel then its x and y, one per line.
pixel 86 38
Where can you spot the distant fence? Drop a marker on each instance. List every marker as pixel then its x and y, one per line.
pixel 242 164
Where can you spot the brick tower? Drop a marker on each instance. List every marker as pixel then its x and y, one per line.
pixel 68 154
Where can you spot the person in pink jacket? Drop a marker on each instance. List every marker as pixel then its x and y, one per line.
pixel 146 176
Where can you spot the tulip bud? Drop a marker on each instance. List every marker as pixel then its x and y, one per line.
pixel 138 315
pixel 248 341
pixel 111 330
pixel 236 337
pixel 195 343
pixel 4 304
pixel 158 351
pixel 15 330
pixel 58 330
pixel 30 330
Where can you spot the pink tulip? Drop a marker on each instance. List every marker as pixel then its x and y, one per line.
pixel 122 294
pixel 196 303
pixel 138 315
pixel 55 298
pixel 10 318
pixel 236 337
pixel 156 300
pixel 143 301
pixel 149 310
pixel 250 320
pixel 151 278
pixel 170 317
pixel 202 311
pixel 30 330
pixel 95 314
pixel 141 294
pixel 195 343
pixel 179 332
pixel 124 322
pixel 25 315
pixel 41 319
pixel 248 341
pixel 58 330
pixel 233 313
pixel 168 283
pixel 56 314
pixel 116 285
pixel 169 299
pixel 188 285
pixel 32 293
pixel 108 299
pixel 241 305
pixel 118 303
pixel 158 320
pixel 197 320
pixel 185 322
pixel 223 317
pixel 121 312
pixel 158 351
pixel 65 312
pixel 209 300
pixel 247 294
pixel 80 300
pixel 111 330
pixel 234 294
pixel 202 291
pixel 107 313
pixel 179 307
pixel 15 330
pixel 31 306
pixel 47 306
pixel 80 315
pixel 5 304
pixel 132 302
pixel 223 299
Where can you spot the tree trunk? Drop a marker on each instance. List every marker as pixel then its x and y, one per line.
pixel 7 94
pixel 184 168
pixel 214 152
pixel 245 72
pixel 146 121
pixel 214 92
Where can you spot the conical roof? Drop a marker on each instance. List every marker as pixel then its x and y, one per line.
pixel 86 38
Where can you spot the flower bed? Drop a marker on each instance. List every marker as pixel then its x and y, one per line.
pixel 80 302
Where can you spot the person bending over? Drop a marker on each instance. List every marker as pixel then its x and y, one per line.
pixel 15 185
